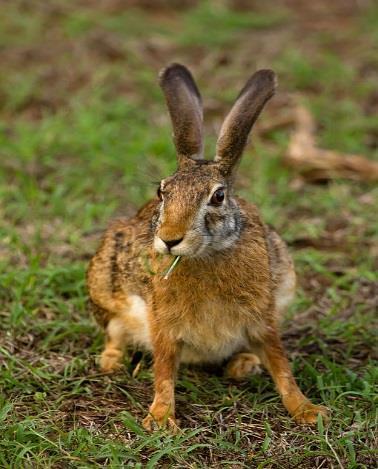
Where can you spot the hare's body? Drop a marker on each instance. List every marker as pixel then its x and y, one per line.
pixel 234 279
pixel 214 323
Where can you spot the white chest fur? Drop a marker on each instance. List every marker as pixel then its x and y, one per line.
pixel 132 323
pixel 211 332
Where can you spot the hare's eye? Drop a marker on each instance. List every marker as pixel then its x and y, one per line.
pixel 218 197
pixel 159 193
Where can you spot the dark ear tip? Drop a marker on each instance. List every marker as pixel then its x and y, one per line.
pixel 263 82
pixel 172 70
pixel 266 78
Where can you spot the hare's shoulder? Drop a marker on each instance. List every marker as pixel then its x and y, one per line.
pixel 256 230
pixel 260 242
pixel 253 225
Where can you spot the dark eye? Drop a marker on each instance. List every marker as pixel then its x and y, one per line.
pixel 218 197
pixel 159 193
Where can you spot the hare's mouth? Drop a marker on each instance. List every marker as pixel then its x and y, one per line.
pixel 183 247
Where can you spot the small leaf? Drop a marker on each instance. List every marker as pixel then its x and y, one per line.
pixel 5 411
pixel 132 424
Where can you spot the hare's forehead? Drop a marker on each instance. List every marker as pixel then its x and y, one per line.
pixel 187 188
pixel 196 181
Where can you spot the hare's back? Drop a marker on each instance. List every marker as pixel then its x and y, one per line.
pixel 118 276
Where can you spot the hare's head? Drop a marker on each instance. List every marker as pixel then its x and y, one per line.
pixel 198 214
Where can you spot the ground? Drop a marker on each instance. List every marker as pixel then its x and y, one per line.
pixel 85 137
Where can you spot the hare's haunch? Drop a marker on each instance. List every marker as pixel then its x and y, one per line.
pixel 235 278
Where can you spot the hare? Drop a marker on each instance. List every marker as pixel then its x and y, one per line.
pixel 234 279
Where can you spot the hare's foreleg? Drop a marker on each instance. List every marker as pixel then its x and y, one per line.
pixel 162 409
pixel 273 357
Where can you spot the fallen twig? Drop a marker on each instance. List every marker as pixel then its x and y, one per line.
pixel 315 163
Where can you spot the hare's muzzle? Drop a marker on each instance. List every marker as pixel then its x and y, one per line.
pixel 172 242
pixel 165 246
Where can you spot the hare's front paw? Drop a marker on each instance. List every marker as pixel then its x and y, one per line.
pixel 308 413
pixel 151 423
pixel 111 360
pixel 160 416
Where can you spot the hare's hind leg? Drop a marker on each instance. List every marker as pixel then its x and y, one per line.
pixel 127 324
pixel 242 364
pixel 115 344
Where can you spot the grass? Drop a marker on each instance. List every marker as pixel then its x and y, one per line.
pixel 84 136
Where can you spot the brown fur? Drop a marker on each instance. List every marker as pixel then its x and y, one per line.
pixel 223 300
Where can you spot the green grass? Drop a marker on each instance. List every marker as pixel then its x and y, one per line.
pixel 84 136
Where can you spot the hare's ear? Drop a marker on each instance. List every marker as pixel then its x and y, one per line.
pixel 185 108
pixel 238 123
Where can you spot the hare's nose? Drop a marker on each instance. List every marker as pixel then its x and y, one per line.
pixel 172 242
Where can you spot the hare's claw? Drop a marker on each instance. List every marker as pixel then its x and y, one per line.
pixel 308 413
pixel 150 423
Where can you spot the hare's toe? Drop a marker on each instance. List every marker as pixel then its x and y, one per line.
pixel 111 360
pixel 241 365
pixel 151 423
pixel 308 413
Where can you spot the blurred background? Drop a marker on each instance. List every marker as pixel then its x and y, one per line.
pixel 85 136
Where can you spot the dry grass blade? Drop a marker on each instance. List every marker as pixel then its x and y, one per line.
pixel 173 265
pixel 315 163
